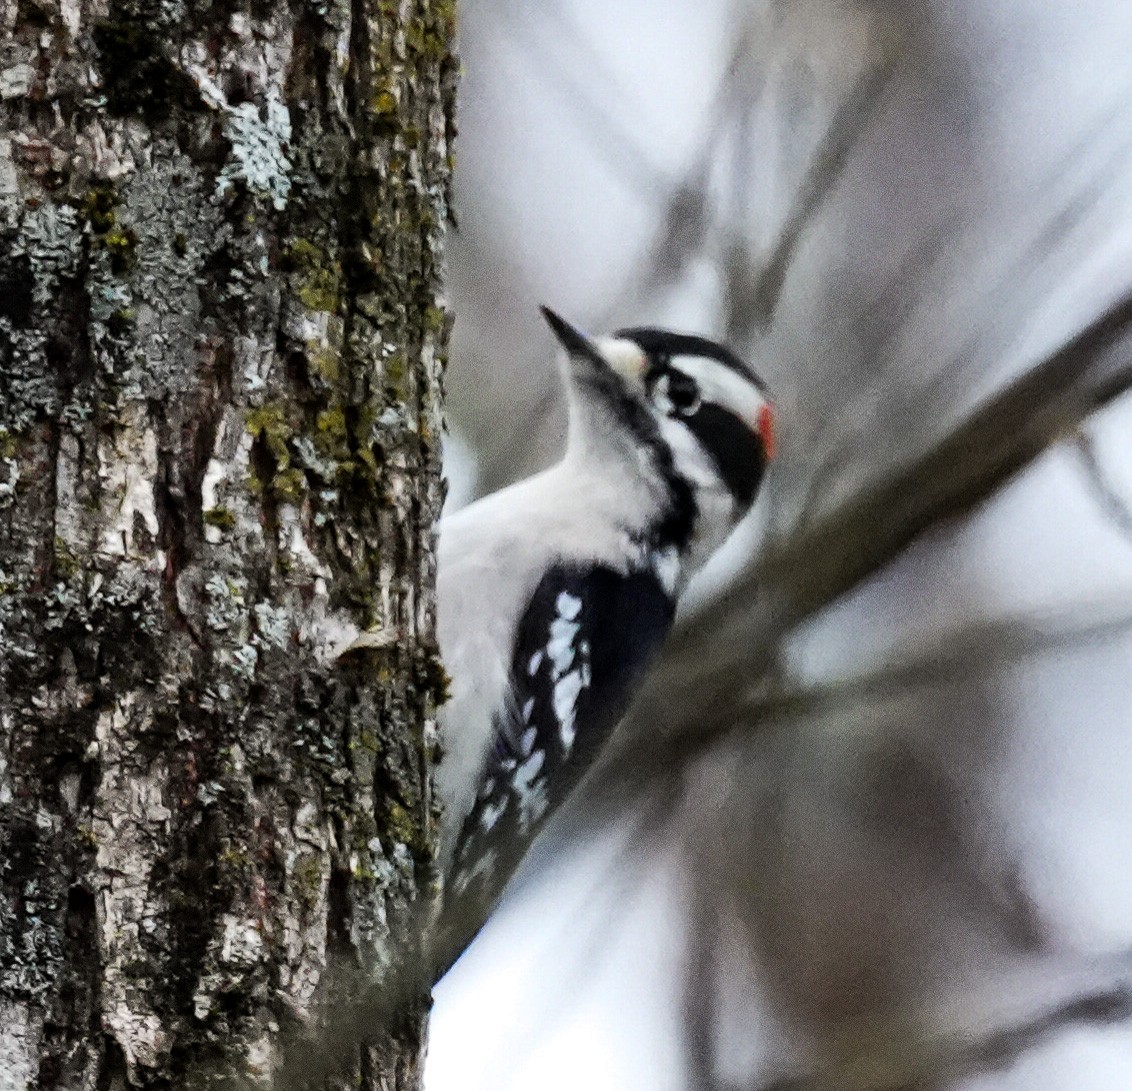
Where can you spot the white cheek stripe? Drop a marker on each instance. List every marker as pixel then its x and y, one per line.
pixel 724 387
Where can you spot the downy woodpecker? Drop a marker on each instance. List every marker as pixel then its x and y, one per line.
pixel 556 594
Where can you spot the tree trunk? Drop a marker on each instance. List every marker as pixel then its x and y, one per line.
pixel 221 340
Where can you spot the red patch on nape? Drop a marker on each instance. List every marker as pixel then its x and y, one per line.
pixel 766 431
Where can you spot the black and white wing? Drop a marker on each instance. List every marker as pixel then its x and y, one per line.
pixel 583 644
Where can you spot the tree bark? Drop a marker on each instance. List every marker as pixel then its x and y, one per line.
pixel 221 343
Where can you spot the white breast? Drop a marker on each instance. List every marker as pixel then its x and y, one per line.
pixel 491 557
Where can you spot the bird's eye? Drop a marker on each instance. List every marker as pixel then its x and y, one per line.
pixel 681 393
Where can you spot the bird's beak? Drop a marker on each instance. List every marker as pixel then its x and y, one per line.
pixel 573 340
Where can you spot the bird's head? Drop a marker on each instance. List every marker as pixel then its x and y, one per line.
pixel 688 400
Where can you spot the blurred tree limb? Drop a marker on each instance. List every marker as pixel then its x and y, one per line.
pixel 952 656
pixel 754 291
pixel 957 1056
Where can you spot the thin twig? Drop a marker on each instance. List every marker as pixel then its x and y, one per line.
pixel 754 296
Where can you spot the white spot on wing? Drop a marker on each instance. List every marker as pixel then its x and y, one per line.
pixel 528 708
pixel 534 806
pixel 560 647
pixel 566 692
pixel 535 663
pixel 568 606
pixel 666 565
pixel 492 814
pixel 532 792
pixel 485 863
pixel 527 742
pixel 526 773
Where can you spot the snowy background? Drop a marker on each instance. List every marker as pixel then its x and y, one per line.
pixel 884 843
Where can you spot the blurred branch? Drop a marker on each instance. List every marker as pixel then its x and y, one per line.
pixel 898 294
pixel 1074 183
pixel 699 994
pixel 684 215
pixel 1114 506
pixel 685 219
pixel 955 656
pixel 753 292
pixel 736 638
pixel 949 1059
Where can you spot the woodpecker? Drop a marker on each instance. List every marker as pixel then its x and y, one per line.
pixel 556 593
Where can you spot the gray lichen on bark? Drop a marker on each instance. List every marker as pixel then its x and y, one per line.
pixel 221 343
